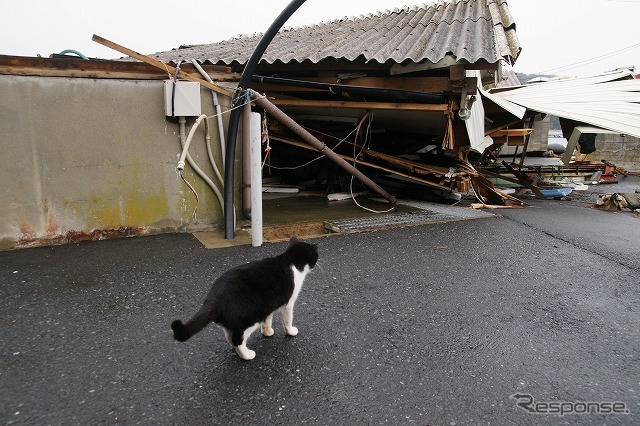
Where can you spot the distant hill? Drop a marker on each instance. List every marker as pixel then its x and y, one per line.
pixel 524 78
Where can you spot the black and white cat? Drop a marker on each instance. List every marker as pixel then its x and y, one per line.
pixel 247 296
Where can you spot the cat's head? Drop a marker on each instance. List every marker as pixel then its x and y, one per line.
pixel 305 253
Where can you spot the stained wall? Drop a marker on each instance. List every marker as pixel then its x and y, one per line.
pixel 95 158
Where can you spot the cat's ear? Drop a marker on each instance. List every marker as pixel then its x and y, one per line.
pixel 293 239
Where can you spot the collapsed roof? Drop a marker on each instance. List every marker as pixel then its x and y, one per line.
pixel 610 101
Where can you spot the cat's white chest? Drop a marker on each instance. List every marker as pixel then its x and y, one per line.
pixel 298 279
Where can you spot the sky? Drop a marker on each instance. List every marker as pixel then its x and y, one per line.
pixel 560 37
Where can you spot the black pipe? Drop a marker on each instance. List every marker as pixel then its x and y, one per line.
pixel 426 97
pixel 232 129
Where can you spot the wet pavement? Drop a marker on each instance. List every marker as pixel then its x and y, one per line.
pixel 438 324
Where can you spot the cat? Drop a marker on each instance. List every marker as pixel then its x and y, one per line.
pixel 247 296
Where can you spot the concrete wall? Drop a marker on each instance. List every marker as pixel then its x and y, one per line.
pixel 623 151
pixel 95 158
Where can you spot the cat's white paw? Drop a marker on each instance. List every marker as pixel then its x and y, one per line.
pixel 291 331
pixel 267 331
pixel 245 353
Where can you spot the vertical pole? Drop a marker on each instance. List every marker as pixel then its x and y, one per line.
pixel 246 163
pixel 232 129
pixel 255 131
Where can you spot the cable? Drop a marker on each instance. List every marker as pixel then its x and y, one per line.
pixel 180 172
pixel 317 158
pixel 365 144
pixel 232 126
pixel 589 61
pixel 173 89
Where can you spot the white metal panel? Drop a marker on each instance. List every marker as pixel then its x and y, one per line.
pixel 604 101
pixel 475 122
pixel 509 106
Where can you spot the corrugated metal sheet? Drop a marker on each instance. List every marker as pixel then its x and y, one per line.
pixel 610 101
pixel 470 30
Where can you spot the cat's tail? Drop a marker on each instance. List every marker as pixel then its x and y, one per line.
pixel 182 332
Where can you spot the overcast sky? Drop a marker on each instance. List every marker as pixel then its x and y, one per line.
pixel 565 37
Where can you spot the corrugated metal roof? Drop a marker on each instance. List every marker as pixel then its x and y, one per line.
pixel 610 101
pixel 470 30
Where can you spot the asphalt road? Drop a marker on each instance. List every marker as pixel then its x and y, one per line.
pixel 438 324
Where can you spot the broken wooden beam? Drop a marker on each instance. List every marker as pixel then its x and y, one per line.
pixel 363 163
pixel 524 180
pixel 318 145
pixel 161 65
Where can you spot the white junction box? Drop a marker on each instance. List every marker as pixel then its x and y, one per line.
pixel 185 102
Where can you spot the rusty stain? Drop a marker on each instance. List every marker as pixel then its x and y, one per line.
pixel 103 234
pixel 52 226
pixel 28 238
pixel 27 231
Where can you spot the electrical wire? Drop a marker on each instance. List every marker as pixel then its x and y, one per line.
pixel 315 159
pixel 365 145
pixel 173 89
pixel 181 173
pixel 590 61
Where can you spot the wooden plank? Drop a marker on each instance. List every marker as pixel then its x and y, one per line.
pixel 413 166
pixel 160 65
pixel 511 132
pixel 524 180
pixel 303 103
pixel 98 68
pixel 498 175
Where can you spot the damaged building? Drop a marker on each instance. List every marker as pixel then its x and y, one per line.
pixel 409 98
pixel 392 93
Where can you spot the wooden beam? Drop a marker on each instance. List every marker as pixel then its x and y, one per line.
pixel 413 166
pixel 414 84
pixel 511 132
pixel 98 68
pixel 303 103
pixel 524 180
pixel 498 175
pixel 161 65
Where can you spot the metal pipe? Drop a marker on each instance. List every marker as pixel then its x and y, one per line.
pixel 234 118
pixel 430 98
pixel 246 161
pixel 185 141
pixel 255 153
pixel 320 146
pixel 216 106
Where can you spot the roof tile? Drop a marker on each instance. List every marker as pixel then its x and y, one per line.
pixel 468 29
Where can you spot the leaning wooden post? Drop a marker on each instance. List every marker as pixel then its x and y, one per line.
pixel 262 102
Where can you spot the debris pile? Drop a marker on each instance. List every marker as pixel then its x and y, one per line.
pixel 619 202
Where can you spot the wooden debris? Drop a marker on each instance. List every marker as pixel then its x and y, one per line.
pixel 493 206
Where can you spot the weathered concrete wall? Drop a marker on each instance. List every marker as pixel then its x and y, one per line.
pixel 623 151
pixel 84 158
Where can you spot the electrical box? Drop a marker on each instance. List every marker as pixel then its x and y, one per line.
pixel 182 99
